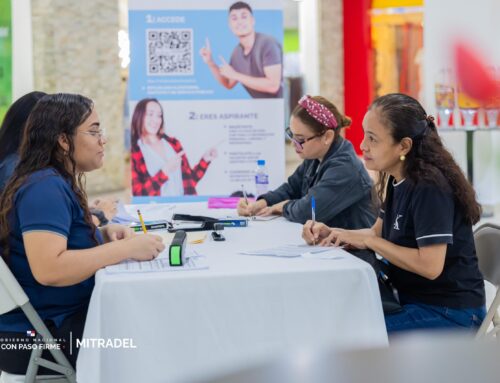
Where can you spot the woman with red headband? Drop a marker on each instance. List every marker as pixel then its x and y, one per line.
pixel 331 173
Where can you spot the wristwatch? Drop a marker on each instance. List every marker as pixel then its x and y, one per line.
pixel 99 214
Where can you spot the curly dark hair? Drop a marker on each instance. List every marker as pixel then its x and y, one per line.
pixel 53 116
pixel 428 160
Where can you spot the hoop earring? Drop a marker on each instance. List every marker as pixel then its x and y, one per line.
pixel 402 157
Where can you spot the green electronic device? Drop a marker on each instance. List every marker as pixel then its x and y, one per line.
pixel 176 253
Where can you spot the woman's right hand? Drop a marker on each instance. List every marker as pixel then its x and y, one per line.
pixel 252 208
pixel 172 164
pixel 144 247
pixel 314 232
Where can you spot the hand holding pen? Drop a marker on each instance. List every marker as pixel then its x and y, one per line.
pixel 315 232
pixel 243 206
pixel 244 194
pixel 247 208
pixel 251 208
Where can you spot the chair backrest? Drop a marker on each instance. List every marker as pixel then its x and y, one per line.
pixel 12 294
pixel 487 239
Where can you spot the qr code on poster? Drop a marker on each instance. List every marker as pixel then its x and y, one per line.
pixel 170 51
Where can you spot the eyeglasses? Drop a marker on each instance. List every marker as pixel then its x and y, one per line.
pixel 99 134
pixel 299 144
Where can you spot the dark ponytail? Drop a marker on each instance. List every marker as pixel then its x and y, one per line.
pixel 428 160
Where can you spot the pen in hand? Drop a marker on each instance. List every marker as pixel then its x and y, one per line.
pixel 142 221
pixel 313 217
pixel 245 196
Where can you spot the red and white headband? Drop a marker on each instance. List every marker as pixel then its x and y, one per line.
pixel 318 111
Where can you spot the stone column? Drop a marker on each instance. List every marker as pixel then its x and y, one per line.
pixel 75 50
pixel 322 48
pixel 331 51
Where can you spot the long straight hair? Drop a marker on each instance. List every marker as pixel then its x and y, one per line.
pixel 14 122
pixel 53 116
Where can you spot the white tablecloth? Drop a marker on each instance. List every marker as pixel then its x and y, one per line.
pixel 243 307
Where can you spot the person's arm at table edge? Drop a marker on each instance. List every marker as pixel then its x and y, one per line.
pixel 52 264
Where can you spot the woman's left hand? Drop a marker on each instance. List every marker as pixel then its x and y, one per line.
pixel 210 155
pixel 108 207
pixel 267 211
pixel 115 232
pixel 276 209
pixel 348 238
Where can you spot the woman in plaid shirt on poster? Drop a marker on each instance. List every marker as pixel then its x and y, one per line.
pixel 159 165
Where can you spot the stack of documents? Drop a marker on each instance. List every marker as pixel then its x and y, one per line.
pixel 150 212
pixel 193 262
pixel 122 216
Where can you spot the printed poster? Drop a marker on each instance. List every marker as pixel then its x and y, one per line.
pixel 205 96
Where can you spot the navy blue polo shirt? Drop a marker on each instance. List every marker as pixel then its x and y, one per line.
pixel 46 202
pixel 423 214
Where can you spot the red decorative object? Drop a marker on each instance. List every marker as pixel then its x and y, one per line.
pixel 358 66
pixel 473 75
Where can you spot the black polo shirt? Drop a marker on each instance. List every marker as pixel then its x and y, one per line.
pixel 423 214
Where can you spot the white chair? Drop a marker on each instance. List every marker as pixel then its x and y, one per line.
pixel 12 296
pixel 487 239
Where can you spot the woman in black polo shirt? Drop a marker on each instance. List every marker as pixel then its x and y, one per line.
pixel 424 229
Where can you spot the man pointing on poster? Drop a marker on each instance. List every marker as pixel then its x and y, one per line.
pixel 256 62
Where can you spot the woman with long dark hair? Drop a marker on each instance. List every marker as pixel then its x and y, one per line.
pixel 424 229
pixel 159 165
pixel 11 132
pixel 46 233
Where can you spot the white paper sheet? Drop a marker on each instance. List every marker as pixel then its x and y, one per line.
pixel 193 262
pixel 290 251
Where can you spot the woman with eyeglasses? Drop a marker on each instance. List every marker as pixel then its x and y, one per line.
pixel 47 237
pixel 11 132
pixel 331 172
pixel 159 165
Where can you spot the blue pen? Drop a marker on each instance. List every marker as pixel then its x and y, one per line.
pixel 313 215
pixel 313 209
